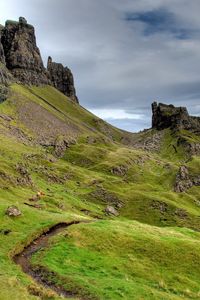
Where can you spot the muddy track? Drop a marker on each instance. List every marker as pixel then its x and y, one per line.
pixel 23 259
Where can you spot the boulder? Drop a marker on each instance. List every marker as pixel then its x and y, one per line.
pixel 13 211
pixel 110 210
pixel 120 170
pixel 62 79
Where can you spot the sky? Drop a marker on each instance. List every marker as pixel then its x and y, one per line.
pixel 124 54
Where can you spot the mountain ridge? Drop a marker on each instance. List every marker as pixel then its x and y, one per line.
pixel 60 164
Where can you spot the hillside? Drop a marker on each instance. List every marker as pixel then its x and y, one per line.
pixel 131 199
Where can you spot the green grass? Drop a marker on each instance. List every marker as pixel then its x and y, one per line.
pixel 126 260
pixel 111 259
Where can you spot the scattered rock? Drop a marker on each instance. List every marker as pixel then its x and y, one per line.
pixel 161 206
pixel 185 181
pixel 13 211
pixel 91 140
pixel 96 182
pixel 110 210
pixel 61 144
pixel 150 142
pixel 120 170
pixel 105 196
pixel 25 178
pixel 181 213
pixel 183 173
pixel 60 147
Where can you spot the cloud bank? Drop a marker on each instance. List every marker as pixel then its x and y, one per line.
pixel 124 54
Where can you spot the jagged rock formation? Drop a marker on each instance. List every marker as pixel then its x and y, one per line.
pixel 22 55
pixel 62 79
pixel 169 116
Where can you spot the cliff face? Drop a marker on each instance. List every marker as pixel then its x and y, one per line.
pixel 2 57
pixel 5 76
pixel 62 79
pixel 22 55
pixel 169 116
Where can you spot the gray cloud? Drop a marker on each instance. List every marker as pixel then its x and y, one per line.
pixel 116 65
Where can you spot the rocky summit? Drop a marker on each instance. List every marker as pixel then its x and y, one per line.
pixel 169 116
pixel 21 58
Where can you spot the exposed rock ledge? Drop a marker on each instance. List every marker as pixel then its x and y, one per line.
pixel 185 181
pixel 169 116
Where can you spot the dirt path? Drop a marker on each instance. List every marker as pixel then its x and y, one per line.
pixel 23 259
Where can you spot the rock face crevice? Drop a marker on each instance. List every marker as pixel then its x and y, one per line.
pixel 62 79
pixel 169 116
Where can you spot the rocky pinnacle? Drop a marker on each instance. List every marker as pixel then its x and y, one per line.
pixel 20 55
pixel 62 78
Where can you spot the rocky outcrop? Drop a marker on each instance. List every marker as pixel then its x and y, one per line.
pixel 110 210
pixel 169 116
pixel 62 79
pixel 22 56
pixel 185 181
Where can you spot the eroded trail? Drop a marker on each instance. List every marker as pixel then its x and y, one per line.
pixel 41 276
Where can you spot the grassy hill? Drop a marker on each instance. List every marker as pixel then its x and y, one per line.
pixel 80 165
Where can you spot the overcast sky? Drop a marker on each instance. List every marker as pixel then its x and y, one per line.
pixel 124 54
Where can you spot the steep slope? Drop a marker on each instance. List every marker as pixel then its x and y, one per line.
pixel 60 163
